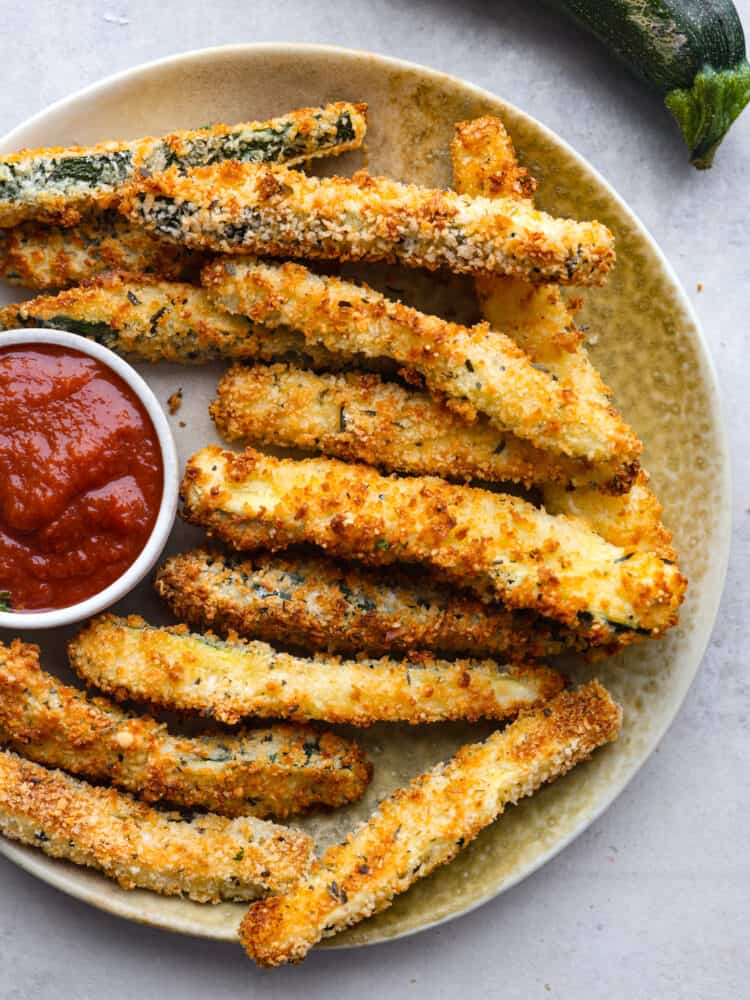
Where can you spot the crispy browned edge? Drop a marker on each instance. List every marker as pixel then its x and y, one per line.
pixel 367 869
pixel 653 589
pixel 462 624
pixel 203 857
pixel 517 395
pixel 328 234
pixel 95 738
pixel 68 211
pixel 415 697
pixel 47 257
pixel 485 158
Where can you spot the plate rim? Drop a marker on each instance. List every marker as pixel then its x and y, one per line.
pixel 48 869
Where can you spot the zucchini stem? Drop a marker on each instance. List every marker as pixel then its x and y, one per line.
pixel 706 111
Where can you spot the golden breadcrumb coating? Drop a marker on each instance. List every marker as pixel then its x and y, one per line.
pixel 359 417
pixel 257 208
pixel 208 858
pixel 10 318
pixel 59 183
pixel 229 679
pixel 337 607
pixel 276 771
pixel 501 546
pixel 485 163
pixel 476 370
pixel 54 257
pixel 423 826
pixel 536 318
pixel 542 324
pixel 632 521
pixel 149 319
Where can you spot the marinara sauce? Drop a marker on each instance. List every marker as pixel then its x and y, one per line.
pixel 81 476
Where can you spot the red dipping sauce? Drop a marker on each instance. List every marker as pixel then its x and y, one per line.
pixel 81 476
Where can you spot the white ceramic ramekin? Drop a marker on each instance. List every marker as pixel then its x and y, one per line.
pixel 133 575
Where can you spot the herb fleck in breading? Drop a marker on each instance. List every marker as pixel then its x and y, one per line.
pixel 232 679
pixel 251 208
pixel 142 848
pixel 59 184
pixel 502 547
pixel 275 771
pixel 423 826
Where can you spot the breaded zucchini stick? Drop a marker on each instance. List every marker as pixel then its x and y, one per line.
pixel 59 183
pixel 501 546
pixel 419 828
pixel 475 369
pixel 632 520
pixel 261 772
pixel 485 162
pixel 208 858
pixel 229 679
pixel 53 257
pixel 540 321
pixel 154 320
pixel 256 208
pixel 360 417
pixel 537 318
pixel 322 604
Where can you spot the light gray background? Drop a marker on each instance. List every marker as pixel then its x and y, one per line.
pixel 652 902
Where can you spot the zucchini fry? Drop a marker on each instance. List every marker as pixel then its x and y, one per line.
pixel 57 184
pixel 632 520
pixel 208 859
pixel 419 828
pixel 474 369
pixel 539 320
pixel 501 546
pixel 358 417
pixel 53 257
pixel 261 772
pixel 149 319
pixel 233 678
pixel 257 208
pixel 485 162
pixel 343 608
pixel 154 320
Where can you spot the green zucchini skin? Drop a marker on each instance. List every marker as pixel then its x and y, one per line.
pixel 691 51
pixel 59 184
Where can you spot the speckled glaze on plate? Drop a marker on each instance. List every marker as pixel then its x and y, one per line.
pixel 648 347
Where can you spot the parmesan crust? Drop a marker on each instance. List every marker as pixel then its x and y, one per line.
pixel 419 828
pixel 502 547
pixel 542 324
pixel 53 257
pixel 59 184
pixel 476 370
pixel 257 208
pixel 149 319
pixel 276 771
pixel 208 858
pixel 632 521
pixel 232 679
pixel 360 417
pixel 344 608
pixel 537 318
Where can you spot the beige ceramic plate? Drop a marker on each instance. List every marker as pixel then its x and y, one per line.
pixel 649 349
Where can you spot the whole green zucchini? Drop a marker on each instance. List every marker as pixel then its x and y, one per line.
pixel 691 51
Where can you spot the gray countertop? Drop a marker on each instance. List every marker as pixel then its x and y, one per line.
pixel 652 900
